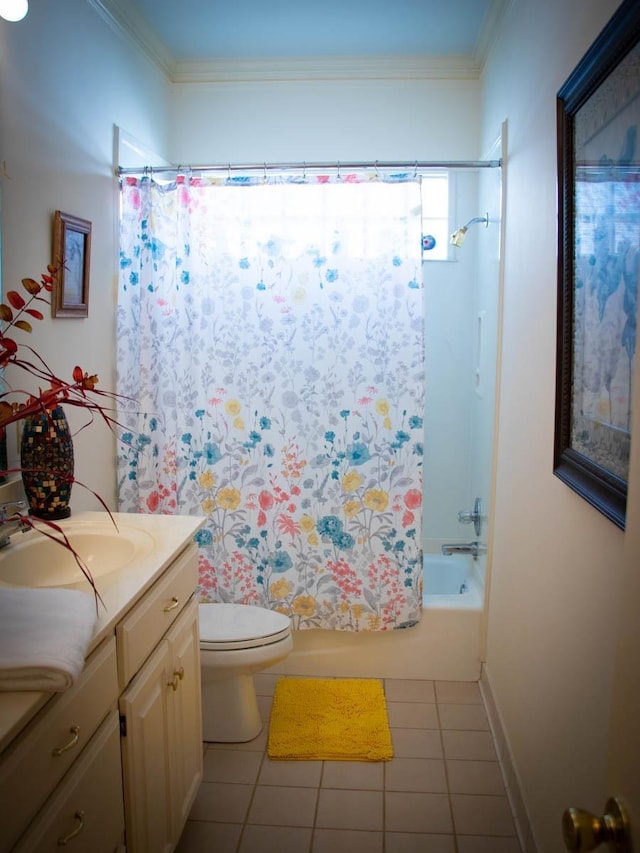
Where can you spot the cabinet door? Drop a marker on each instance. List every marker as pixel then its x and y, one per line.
pixel 184 639
pixel 85 813
pixel 146 755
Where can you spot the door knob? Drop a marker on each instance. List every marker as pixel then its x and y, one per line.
pixel 583 831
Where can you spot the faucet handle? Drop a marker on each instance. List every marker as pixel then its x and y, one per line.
pixel 474 517
pixel 4 506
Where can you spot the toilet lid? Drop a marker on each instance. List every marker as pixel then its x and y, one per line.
pixel 240 626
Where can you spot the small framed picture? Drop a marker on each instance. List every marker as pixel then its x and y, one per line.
pixel 72 254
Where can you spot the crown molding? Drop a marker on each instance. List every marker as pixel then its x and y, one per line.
pixel 489 31
pixel 124 19
pixel 328 68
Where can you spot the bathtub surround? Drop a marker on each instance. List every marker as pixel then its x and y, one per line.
pixel 445 644
pixel 270 332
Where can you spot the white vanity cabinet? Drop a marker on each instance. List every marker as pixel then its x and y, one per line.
pixel 117 759
pixel 162 739
pixel 46 753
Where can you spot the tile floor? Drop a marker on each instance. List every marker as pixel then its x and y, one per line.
pixel 441 793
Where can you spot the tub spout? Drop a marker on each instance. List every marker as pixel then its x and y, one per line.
pixel 476 549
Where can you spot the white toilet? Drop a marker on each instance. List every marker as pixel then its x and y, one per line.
pixel 236 641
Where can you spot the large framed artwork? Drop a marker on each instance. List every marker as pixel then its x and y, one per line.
pixel 598 111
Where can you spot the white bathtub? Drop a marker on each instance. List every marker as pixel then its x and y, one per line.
pixel 445 645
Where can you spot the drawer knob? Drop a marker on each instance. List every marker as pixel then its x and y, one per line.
pixel 75 737
pixel 62 842
pixel 174 603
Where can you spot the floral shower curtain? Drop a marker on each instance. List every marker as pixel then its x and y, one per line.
pixel 270 345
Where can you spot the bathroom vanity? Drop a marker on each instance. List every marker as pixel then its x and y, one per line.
pixel 117 758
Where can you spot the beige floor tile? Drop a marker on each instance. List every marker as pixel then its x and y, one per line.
pixel 258 744
pixel 226 765
pixel 273 839
pixel 354 775
pixel 347 841
pixel 475 777
pixel 416 774
pixel 305 774
pixel 476 746
pixel 204 835
pixel 413 715
pixel 481 815
pixel 470 717
pixel 283 806
pixel 418 842
pixel 406 690
pixel 221 802
pixel 416 743
pixel 341 809
pixel 464 692
pixel 412 812
pixel 264 706
pixel 485 844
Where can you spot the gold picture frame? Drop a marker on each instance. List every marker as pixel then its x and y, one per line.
pixel 72 256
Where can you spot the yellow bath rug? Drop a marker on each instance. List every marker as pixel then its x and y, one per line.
pixel 330 719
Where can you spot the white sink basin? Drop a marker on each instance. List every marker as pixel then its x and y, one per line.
pixel 32 559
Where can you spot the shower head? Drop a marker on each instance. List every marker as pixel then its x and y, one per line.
pixel 457 238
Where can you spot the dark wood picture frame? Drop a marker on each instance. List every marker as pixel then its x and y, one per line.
pixel 72 254
pixel 598 133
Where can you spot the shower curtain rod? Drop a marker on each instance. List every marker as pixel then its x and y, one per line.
pixel 385 165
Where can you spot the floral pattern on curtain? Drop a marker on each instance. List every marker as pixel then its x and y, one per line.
pixel 270 342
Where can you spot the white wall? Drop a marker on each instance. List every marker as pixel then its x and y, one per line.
pixel 556 561
pixel 66 78
pixel 334 120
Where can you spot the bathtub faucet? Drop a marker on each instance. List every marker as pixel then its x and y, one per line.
pixel 476 549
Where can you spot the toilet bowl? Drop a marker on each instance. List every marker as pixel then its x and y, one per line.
pixel 236 641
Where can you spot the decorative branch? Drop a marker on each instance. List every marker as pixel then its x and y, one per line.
pixel 80 391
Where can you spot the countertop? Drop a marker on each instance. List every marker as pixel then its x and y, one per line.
pixel 119 591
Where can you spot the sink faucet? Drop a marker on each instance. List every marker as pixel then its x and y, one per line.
pixel 11 523
pixel 473 548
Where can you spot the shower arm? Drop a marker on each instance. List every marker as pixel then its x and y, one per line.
pixel 457 238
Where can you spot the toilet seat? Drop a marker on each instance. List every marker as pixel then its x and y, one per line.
pixel 224 627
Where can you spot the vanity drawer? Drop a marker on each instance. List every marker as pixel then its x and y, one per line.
pixel 41 755
pixel 148 621
pixel 86 812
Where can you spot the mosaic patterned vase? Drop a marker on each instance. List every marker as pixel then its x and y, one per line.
pixel 46 459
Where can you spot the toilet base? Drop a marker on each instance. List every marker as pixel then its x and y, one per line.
pixel 230 711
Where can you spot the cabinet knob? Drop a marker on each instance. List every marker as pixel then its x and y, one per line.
pixel 174 603
pixel 75 732
pixel 175 682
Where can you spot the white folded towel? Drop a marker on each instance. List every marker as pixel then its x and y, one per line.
pixel 44 636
